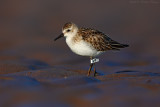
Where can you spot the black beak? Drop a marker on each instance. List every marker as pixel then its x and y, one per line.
pixel 61 35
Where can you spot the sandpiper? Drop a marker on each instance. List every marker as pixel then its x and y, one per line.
pixel 88 42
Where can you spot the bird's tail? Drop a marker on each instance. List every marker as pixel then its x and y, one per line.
pixel 115 45
pixel 119 45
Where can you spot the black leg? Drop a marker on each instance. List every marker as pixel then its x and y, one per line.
pixel 89 71
pixel 90 68
pixel 95 70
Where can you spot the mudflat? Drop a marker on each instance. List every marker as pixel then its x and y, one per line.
pixel 35 71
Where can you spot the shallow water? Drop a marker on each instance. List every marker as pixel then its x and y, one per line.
pixel 35 71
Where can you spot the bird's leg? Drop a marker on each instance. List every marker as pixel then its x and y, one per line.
pixel 89 71
pixel 95 70
pixel 91 65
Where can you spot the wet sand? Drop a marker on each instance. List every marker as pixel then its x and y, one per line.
pixel 35 71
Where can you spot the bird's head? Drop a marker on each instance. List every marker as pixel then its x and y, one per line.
pixel 69 29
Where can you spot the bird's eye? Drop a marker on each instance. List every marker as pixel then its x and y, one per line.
pixel 68 30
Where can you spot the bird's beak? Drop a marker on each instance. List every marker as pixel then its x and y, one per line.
pixel 61 35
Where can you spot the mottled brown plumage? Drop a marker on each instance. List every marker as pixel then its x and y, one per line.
pixel 99 40
pixel 67 25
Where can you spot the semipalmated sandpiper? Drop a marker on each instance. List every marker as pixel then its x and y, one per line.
pixel 88 42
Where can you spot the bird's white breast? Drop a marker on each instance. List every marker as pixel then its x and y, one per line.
pixel 82 48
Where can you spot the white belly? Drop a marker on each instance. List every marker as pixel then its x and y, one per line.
pixel 82 48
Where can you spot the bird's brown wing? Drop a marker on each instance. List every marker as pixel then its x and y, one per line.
pixel 99 40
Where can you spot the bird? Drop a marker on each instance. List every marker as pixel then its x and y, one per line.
pixel 88 42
